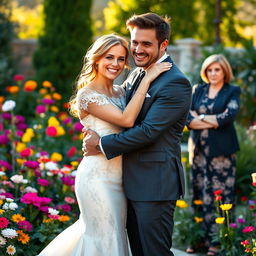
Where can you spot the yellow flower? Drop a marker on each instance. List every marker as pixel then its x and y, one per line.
pixel 30 131
pixel 23 238
pixel 198 202
pixel 55 109
pixel 43 91
pixel 1 201
pixel 74 163
pixel 253 177
pixel 52 121
pixel 1 211
pixel 181 204
pixel 30 85
pixel 56 96
pixel 48 220
pixel 225 207
pixel 63 116
pixel 26 138
pixel 20 146
pixel 47 84
pixel 17 217
pixel 81 136
pixel 198 219
pixel 64 218
pixel 56 157
pixel 60 130
pixel 220 220
pixel 20 161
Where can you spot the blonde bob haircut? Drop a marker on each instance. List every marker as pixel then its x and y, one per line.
pixel 217 58
pixel 89 70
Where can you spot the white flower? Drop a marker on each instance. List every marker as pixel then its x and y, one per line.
pixel 30 189
pixel 9 233
pixel 2 173
pixel 13 206
pixel 25 181
pixel 53 211
pixel 9 200
pixel 50 174
pixel 2 197
pixel 8 105
pixel 51 166
pixel 2 241
pixel 5 206
pixel 74 173
pixel 17 178
pixel 11 250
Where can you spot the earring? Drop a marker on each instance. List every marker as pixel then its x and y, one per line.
pixel 96 66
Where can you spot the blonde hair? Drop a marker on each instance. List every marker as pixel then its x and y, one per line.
pixel 219 58
pixel 89 70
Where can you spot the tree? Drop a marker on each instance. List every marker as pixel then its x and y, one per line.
pixel 66 37
pixel 189 18
pixel 183 21
pixel 6 36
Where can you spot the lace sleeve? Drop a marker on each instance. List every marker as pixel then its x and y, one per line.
pixel 86 96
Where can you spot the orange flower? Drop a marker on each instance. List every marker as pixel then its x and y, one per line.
pixel 56 96
pixel 12 89
pixel 55 109
pixel 42 91
pixel 198 202
pixel 17 218
pixel 64 218
pixel 48 220
pixel 2 99
pixel 30 86
pixel 47 84
pixel 23 238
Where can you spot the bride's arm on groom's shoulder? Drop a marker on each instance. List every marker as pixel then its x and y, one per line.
pixel 127 117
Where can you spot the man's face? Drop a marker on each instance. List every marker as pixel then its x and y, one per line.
pixel 145 49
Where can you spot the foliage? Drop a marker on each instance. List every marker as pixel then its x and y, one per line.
pixel 6 35
pixel 38 159
pixel 29 20
pixel 66 37
pixel 184 23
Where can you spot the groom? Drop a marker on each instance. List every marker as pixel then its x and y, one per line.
pixel 153 176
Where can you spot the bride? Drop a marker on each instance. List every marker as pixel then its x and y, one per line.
pixel 100 105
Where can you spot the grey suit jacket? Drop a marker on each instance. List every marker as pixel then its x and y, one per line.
pixel 152 169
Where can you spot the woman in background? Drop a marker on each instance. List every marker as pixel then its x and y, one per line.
pixel 213 141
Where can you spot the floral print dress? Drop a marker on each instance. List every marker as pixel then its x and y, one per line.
pixel 208 173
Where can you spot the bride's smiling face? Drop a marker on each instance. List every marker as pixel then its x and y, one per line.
pixel 112 63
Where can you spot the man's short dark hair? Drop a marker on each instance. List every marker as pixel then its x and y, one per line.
pixel 151 21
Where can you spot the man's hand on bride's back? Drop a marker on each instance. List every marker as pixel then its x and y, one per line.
pixel 154 70
pixel 90 141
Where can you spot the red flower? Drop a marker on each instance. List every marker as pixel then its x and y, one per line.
pixel 245 242
pixel 244 198
pixel 51 131
pixel 218 198
pixel 26 152
pixel 3 222
pixel 217 192
pixel 18 77
pixel 254 184
pixel 43 182
pixel 71 151
pixel 26 225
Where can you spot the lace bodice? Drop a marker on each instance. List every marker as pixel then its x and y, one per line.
pixel 86 96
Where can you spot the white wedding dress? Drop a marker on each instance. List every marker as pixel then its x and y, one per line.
pixel 100 230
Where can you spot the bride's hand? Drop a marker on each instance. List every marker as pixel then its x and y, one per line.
pixel 154 70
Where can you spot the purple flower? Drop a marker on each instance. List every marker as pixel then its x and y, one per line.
pixel 78 126
pixel 47 101
pixel 67 120
pixel 251 202
pixel 19 119
pixel 67 180
pixel 233 225
pixel 7 195
pixel 7 116
pixel 66 207
pixel 40 109
pixel 19 133
pixel 44 208
pixel 43 182
pixel 21 126
pixel 241 220
pixel 3 139
pixel 5 164
pixel 26 225
pixel 31 164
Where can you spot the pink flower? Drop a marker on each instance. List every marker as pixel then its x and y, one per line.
pixel 3 222
pixel 248 229
pixel 233 225
pixel 47 101
pixel 78 126
pixel 19 133
pixel 31 164
pixel 26 152
pixel 67 120
pixel 33 198
pixel 18 77
pixel 26 225
pixel 5 165
pixel 19 119
pixel 245 242
pixel 66 207
pixel 40 109
pixel 69 200
pixel 43 182
pixel 67 180
pixel 241 220
pixel 3 139
pixel 21 126
pixel 44 208
pixel 7 195
pixel 7 116
pixel 51 131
